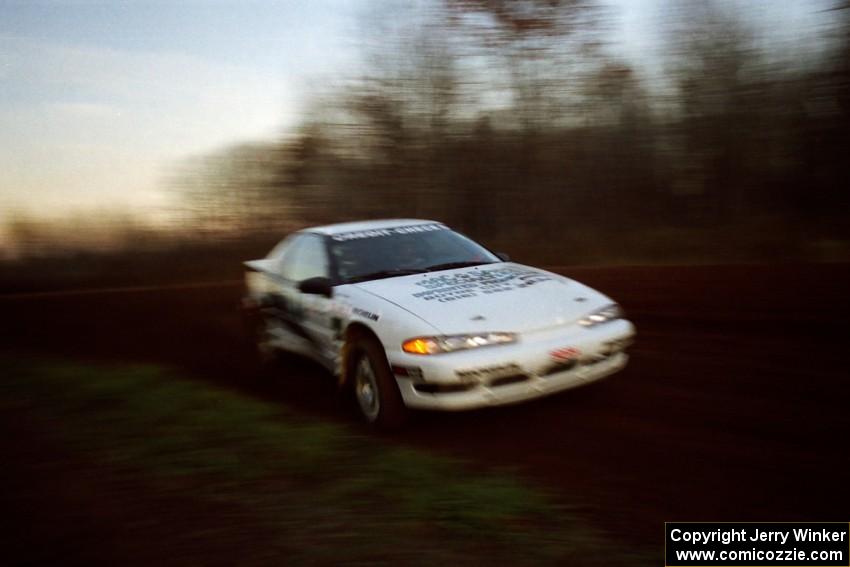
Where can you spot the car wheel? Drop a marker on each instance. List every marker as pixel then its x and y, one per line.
pixel 375 388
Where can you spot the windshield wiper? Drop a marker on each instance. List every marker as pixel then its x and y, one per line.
pixel 453 265
pixel 385 274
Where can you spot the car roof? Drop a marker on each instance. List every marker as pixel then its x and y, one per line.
pixel 338 228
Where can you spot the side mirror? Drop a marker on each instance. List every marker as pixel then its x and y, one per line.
pixel 503 257
pixel 316 286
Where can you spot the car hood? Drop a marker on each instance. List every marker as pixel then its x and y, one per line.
pixel 494 297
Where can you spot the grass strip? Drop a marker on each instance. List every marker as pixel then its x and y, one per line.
pixel 324 492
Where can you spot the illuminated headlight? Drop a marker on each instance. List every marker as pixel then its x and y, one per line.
pixel 607 313
pixel 451 343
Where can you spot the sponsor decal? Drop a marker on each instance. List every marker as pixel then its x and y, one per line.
pixel 379 232
pixel 452 287
pixel 488 371
pixel 412 372
pixel 367 314
pixel 565 354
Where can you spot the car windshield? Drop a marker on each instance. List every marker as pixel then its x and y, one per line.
pixel 375 254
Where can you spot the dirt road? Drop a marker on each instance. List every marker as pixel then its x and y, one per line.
pixel 734 405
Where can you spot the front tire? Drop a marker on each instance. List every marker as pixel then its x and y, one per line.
pixel 375 388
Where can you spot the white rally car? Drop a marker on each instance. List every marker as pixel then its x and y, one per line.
pixel 414 315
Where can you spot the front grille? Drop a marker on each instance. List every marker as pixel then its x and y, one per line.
pixel 507 380
pixel 596 359
pixel 442 388
pixel 559 367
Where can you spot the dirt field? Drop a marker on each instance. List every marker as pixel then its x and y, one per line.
pixel 734 405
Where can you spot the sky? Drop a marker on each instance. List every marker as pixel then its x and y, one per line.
pixel 98 99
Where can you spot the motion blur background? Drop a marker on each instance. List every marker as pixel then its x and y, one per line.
pixel 687 158
pixel 137 134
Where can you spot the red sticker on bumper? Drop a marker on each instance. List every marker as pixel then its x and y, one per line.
pixel 566 353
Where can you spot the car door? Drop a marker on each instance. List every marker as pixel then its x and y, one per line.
pixel 286 302
pixel 315 312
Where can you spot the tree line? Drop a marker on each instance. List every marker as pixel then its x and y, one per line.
pixel 523 124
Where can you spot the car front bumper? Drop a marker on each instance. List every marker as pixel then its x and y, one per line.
pixel 539 364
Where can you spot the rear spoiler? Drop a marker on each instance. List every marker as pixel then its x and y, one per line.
pixel 265 265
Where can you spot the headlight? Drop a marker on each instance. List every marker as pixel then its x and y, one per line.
pixel 607 313
pixel 451 343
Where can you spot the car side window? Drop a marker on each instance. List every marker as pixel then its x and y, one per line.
pixel 282 247
pixel 285 254
pixel 309 259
